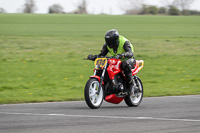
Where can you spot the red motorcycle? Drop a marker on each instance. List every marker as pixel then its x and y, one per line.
pixel 109 83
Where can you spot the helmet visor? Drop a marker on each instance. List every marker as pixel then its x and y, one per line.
pixel 111 42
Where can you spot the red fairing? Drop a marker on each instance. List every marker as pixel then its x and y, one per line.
pixel 135 70
pixel 114 67
pixel 113 99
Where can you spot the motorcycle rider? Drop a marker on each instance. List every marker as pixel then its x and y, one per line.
pixel 122 48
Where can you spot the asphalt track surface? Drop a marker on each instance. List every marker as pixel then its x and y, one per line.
pixel 176 114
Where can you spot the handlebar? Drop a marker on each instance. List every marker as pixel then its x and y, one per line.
pixel 111 57
pixel 96 56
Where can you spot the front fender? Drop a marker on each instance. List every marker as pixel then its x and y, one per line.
pixel 96 77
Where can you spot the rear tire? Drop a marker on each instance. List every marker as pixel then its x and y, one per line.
pixel 93 100
pixel 133 100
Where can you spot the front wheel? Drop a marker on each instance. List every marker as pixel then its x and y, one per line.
pixel 134 98
pixel 93 100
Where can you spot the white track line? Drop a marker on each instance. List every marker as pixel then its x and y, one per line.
pixel 108 117
pixel 185 96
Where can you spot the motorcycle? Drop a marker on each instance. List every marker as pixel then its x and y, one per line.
pixel 109 83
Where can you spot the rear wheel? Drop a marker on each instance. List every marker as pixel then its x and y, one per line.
pixel 134 98
pixel 92 99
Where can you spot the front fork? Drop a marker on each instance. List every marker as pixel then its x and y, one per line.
pixel 136 84
pixel 101 79
pixel 135 80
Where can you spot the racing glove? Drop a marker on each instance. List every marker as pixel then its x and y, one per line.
pixel 119 56
pixel 92 57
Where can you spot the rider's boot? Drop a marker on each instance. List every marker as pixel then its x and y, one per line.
pixel 130 86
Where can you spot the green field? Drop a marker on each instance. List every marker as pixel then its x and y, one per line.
pixel 41 55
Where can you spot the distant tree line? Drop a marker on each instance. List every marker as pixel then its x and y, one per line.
pixel 175 7
pixel 30 7
pixel 81 8
pixel 2 10
pixel 154 10
pixel 132 7
pixel 56 8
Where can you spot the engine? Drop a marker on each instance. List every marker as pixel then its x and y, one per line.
pixel 119 83
pixel 116 86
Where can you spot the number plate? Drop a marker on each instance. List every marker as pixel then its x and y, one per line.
pixel 100 63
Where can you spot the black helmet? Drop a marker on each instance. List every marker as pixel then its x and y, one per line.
pixel 111 38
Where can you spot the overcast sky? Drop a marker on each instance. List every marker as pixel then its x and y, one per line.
pixel 94 6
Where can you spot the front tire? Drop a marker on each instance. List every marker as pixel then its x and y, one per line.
pixel 134 99
pixel 93 100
